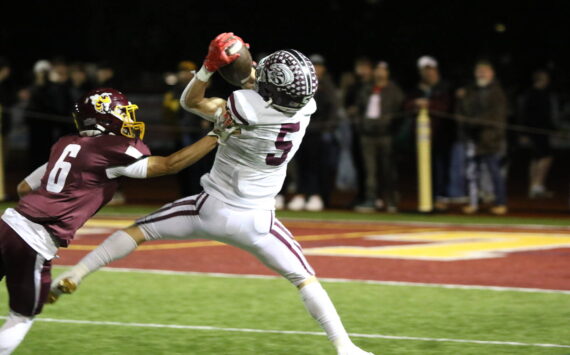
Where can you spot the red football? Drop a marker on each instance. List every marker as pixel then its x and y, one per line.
pixel 238 71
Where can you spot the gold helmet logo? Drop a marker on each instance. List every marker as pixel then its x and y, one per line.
pixel 102 103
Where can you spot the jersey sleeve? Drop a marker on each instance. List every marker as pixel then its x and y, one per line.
pixel 248 108
pixel 35 178
pixel 125 153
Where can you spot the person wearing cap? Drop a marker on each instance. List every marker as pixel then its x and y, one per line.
pixel 316 158
pixel 484 105
pixel 50 100
pixel 378 105
pixel 433 93
pixel 188 126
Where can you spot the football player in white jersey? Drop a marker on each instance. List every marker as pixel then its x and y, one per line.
pixel 237 204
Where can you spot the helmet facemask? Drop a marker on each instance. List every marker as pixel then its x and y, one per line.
pixel 131 128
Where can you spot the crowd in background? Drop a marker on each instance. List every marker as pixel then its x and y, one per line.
pixel 353 139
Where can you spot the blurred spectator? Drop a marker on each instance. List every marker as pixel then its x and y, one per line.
pixel 352 84
pixel 435 94
pixel 189 126
pixel 539 109
pixel 105 76
pixel 80 84
pixel 49 109
pixel 316 158
pixel 485 106
pixel 7 96
pixel 377 103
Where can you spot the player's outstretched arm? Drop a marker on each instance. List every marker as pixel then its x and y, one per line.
pixel 31 182
pixel 193 98
pixel 172 164
pixel 157 166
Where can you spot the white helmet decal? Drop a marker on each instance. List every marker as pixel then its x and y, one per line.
pixel 279 74
pixel 101 102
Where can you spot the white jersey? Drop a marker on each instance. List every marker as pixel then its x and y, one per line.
pixel 250 168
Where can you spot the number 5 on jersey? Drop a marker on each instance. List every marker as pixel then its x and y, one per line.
pixel 58 175
pixel 282 144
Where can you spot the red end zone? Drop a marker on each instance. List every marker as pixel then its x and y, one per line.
pixel 491 256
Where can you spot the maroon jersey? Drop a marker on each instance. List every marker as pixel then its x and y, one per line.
pixel 75 185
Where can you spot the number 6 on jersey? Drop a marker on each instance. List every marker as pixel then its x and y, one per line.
pixel 58 175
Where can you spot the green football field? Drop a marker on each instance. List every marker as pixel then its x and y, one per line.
pixel 146 313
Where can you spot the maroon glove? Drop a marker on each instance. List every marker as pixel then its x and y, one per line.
pixel 217 56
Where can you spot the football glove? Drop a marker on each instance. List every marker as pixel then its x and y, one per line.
pixel 217 56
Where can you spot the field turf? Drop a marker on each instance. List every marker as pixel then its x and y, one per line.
pixel 142 312
pixel 271 304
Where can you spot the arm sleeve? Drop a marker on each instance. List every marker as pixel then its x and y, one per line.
pixel 35 178
pixel 136 170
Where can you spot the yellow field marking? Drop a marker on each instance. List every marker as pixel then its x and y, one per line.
pixel 209 243
pixel 451 245
pixel 109 223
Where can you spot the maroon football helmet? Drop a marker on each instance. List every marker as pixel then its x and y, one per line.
pixel 107 111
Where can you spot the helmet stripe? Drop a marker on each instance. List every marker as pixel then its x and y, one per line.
pixel 305 69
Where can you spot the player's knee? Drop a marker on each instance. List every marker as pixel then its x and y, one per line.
pixel 136 233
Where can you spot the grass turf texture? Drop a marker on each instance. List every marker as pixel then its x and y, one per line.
pixel 273 304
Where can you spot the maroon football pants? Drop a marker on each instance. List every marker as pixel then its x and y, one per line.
pixel 28 274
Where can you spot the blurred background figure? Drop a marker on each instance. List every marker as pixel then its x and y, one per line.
pixel 377 104
pixel 80 83
pixel 49 110
pixel 484 104
pixel 189 127
pixel 105 76
pixel 539 107
pixel 351 85
pixel 7 96
pixel 433 93
pixel 317 156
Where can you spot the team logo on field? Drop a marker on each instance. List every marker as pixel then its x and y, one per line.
pixel 101 102
pixel 280 74
pixel 448 245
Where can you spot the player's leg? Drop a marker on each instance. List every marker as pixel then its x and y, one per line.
pixel 28 276
pixel 176 220
pixel 279 251
pixel 117 246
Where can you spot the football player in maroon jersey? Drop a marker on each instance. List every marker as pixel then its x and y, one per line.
pixel 80 177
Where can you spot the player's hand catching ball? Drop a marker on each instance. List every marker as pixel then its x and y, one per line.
pixel 218 55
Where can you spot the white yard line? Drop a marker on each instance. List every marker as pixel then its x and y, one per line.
pixel 338 280
pixel 293 332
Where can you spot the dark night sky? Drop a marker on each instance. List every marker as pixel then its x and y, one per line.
pixel 151 36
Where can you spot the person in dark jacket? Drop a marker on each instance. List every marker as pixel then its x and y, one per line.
pixel 484 105
pixel 316 158
pixel 352 84
pixel 377 104
pixel 50 104
pixel 435 94
pixel 539 109
pixel 190 127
